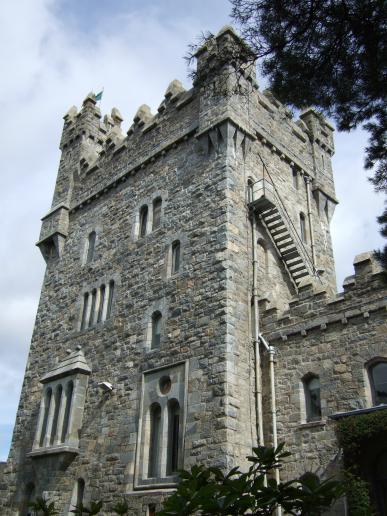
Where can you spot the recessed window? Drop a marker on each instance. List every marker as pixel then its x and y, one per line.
pixel 312 398
pixel 84 310
pixel 110 299
pixel 156 330
pixel 92 308
pixel 101 304
pixel 378 380
pixel 175 257
pixel 165 384
pixel 303 228
pixel 157 203
pixel 154 440
pixel 173 437
pixel 250 192
pixel 90 247
pixel 151 509
pixel 143 221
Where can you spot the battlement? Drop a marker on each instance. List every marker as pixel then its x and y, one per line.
pixel 313 310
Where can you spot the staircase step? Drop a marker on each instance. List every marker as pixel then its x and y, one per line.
pixel 296 268
pixel 300 275
pixel 295 261
pixel 276 224
pixel 286 248
pixel 279 231
pixel 272 217
pixel 289 255
pixel 282 238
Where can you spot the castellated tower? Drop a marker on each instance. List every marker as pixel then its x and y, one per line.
pixel 180 257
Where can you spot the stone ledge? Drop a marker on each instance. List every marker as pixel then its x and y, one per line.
pixel 312 424
pixel 53 450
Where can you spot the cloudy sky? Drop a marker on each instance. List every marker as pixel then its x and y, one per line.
pixel 52 53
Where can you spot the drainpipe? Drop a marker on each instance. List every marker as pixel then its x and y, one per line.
pixel 310 220
pixel 258 379
pixel 271 351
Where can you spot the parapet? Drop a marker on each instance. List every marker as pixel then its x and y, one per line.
pixel 312 310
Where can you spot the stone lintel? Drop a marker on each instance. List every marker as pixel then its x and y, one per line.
pixel 53 450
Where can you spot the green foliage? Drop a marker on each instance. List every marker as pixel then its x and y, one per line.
pixel 95 508
pixel 121 507
pixel 354 431
pixel 358 496
pixel 210 491
pixel 41 506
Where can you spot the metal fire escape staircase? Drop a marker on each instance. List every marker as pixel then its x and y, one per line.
pixel 266 202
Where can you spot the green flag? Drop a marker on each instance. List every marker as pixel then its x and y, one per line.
pixel 99 95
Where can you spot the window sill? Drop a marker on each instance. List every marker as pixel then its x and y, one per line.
pixel 52 450
pixel 157 483
pixel 312 424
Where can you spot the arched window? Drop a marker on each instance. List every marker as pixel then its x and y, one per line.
pixel 66 417
pixel 143 220
pixel 154 440
pixel 303 228
pixel 378 380
pixel 252 317
pixel 90 247
pixel 156 330
pixel 312 398
pixel 57 401
pixel 173 437
pixel 84 310
pixel 175 257
pixel 102 291
pixel 47 403
pixel 157 203
pixel 80 491
pixel 110 299
pixel 92 308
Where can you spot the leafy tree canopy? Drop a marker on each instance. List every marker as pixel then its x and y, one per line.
pixel 209 491
pixel 328 53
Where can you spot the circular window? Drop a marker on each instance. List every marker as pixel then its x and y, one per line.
pixel 165 384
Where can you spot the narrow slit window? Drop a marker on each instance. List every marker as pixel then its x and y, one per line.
pixel 175 257
pixel 84 310
pixel 173 437
pixel 66 417
pixel 312 398
pixel 157 203
pixel 92 308
pixel 47 404
pixel 80 491
pixel 303 228
pixel 57 401
pixel 143 221
pixel 110 300
pixel 154 440
pixel 250 190
pixel 156 330
pixel 101 303
pixel 90 247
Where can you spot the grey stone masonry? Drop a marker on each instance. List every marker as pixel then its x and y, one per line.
pixel 142 361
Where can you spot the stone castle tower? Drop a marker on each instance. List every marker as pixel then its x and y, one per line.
pixel 189 306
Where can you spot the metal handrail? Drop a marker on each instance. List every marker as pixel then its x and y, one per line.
pixel 284 210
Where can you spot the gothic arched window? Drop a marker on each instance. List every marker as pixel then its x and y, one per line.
pixel 46 410
pixel 312 398
pixel 156 330
pixel 143 220
pixel 66 417
pixel 84 310
pixel 57 401
pixel 90 247
pixel 154 440
pixel 173 437
pixel 157 203
pixel 378 380
pixel 110 299
pixel 175 257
